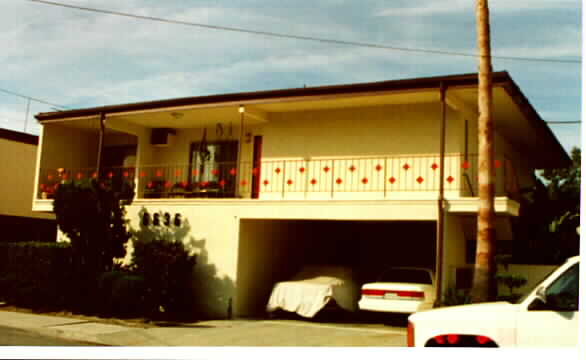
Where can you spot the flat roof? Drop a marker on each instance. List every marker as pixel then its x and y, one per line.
pixel 19 137
pixel 501 79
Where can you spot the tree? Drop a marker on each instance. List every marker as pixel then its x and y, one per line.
pixel 484 283
pixel 546 231
pixel 92 215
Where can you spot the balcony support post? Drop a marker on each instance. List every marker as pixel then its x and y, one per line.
pixel 100 145
pixel 439 261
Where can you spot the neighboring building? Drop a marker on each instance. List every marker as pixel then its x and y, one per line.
pixel 346 175
pixel 17 221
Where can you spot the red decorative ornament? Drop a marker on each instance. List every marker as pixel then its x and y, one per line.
pixel 194 172
pixel 406 167
pixel 278 170
pixel 365 181
pixel 95 175
pixel 419 179
pixel 55 186
pixel 255 171
pixel 450 179
pixel 222 183
pixel 150 184
pixel 302 169
pixel 158 173
pixel 326 169
pixel 64 176
pixel 177 172
pixel 352 168
pixel 243 182
pixel 289 182
pixel 338 181
pixel 110 175
pixel 126 174
pixel 167 184
pixel 434 166
pixel 392 180
pixel 233 172
pixel 203 184
pixel 215 172
pixel 497 164
pixel 50 177
pixel 184 184
pixel 465 165
pixel 378 167
pixel 265 183
pixel 141 174
pixel 313 181
pixel 42 186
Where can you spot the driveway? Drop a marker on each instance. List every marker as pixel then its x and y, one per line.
pixel 279 332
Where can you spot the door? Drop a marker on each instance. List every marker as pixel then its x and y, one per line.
pixel 554 322
pixel 256 156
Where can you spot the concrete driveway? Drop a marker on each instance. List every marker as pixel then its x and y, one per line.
pixel 279 332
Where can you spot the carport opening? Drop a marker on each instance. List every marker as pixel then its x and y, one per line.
pixel 270 251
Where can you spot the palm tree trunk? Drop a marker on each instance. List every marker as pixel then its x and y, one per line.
pixel 484 283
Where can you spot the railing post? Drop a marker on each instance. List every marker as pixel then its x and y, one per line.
pixel 283 183
pixel 333 181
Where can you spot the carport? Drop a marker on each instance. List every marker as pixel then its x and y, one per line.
pixel 270 251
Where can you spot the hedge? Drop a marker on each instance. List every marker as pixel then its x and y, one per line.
pixel 35 274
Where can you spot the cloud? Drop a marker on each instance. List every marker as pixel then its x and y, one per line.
pixel 433 7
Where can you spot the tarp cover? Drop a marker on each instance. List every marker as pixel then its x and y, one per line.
pixel 312 288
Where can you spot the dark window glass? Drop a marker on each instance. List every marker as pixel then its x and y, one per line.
pixel 406 276
pixel 564 291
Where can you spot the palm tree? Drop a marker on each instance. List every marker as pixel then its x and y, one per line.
pixel 484 282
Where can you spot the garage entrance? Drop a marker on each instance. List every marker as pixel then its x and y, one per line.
pixel 270 251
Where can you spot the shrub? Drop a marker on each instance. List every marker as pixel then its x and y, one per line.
pixel 122 294
pixel 455 296
pixel 167 269
pixel 36 274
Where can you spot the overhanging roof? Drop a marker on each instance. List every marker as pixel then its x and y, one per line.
pixel 543 138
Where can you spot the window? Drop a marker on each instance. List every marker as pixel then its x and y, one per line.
pixel 564 290
pixel 211 166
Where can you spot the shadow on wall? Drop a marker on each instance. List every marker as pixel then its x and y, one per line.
pixel 212 294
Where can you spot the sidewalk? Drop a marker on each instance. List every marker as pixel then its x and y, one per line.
pixel 207 333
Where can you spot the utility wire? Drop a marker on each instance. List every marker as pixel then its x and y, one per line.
pixel 563 122
pixel 32 98
pixel 297 37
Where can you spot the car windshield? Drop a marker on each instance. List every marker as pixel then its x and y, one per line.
pixel 406 276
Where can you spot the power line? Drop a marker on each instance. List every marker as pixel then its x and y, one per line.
pixel 32 98
pixel 297 37
pixel 563 122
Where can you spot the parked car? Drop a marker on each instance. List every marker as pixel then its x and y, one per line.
pixel 313 288
pixel 546 316
pixel 399 290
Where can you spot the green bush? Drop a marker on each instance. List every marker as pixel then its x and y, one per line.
pixel 167 269
pixel 455 296
pixel 122 294
pixel 35 274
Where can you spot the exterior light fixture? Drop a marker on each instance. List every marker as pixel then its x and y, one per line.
pixel 241 109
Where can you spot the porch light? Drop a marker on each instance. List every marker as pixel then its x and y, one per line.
pixel 241 109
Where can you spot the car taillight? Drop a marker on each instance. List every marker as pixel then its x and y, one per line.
pixel 372 292
pixel 410 334
pixel 482 339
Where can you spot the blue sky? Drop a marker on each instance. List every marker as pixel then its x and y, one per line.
pixel 81 59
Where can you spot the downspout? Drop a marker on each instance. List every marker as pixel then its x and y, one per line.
pixel 439 265
pixel 100 145
pixel 241 110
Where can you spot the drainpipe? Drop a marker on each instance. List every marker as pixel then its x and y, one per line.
pixel 439 251
pixel 241 110
pixel 101 144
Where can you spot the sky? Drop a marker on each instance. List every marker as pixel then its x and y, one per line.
pixel 76 59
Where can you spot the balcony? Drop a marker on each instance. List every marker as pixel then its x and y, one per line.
pixel 365 178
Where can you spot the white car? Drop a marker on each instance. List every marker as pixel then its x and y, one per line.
pixel 399 290
pixel 547 316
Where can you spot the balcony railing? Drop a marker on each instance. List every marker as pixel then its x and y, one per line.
pixel 387 177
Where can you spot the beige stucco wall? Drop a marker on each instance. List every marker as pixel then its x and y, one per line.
pixel 454 249
pixel 18 175
pixel 68 147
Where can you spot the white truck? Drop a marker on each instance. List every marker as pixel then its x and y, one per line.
pixel 546 316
